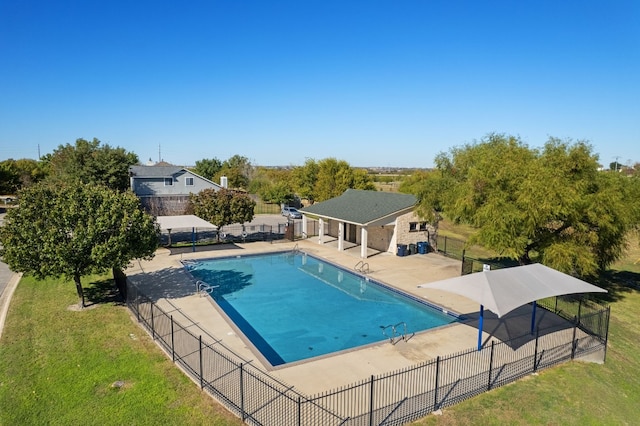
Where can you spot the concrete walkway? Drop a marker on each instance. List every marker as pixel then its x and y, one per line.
pixel 8 283
pixel 167 283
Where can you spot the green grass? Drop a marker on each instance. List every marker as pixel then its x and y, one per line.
pixel 58 366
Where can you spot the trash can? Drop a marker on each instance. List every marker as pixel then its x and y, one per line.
pixel 412 248
pixel 402 250
pixel 423 247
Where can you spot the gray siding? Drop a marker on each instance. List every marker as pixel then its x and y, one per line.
pixel 147 186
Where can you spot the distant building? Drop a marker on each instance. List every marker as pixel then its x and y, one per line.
pixel 164 189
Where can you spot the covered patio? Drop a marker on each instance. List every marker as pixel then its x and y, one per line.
pixel 183 222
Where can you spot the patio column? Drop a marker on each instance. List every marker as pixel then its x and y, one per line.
pixel 340 236
pixel 304 227
pixel 364 233
pixel 320 230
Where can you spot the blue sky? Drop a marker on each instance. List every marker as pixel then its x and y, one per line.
pixel 375 83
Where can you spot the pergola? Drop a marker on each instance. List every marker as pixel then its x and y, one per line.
pixel 503 290
pixel 167 223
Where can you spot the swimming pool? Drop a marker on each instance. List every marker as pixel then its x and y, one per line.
pixel 293 306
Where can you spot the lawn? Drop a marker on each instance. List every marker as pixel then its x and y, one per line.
pixel 92 367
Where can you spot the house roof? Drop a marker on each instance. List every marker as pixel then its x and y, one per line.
pixel 155 171
pixel 363 207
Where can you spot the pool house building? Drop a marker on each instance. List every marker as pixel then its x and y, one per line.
pixel 375 221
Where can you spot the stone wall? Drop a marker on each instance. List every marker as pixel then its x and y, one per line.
pixel 424 231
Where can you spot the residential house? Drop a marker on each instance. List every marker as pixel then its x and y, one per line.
pixel 164 189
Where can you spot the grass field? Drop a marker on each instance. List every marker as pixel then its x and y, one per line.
pixel 60 366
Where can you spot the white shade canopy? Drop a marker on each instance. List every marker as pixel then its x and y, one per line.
pixel 503 290
pixel 182 222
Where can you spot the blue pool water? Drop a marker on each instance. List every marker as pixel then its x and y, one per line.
pixel 295 306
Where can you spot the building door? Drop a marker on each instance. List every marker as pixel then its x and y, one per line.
pixel 351 233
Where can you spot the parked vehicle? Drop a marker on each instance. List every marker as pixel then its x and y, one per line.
pixel 291 212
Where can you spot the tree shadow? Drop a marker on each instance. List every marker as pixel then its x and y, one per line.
pixel 617 283
pixel 168 283
pixel 101 292
pixel 224 281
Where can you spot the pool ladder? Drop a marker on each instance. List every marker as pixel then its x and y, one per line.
pixel 202 287
pixel 396 336
pixel 362 267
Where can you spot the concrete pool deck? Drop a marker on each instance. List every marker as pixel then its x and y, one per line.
pixel 165 281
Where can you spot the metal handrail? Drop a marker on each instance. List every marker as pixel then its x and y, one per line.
pixel 394 332
pixel 202 287
pixel 362 267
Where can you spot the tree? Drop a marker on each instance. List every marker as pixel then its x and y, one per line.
pixel 550 205
pixel 304 179
pixel 75 230
pixel 91 162
pixel 328 178
pixel 222 207
pixel 336 176
pixel 272 185
pixel 208 168
pixel 428 187
pixel 238 171
pixel 9 177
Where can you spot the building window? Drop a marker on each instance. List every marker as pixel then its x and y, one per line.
pixel 413 226
pixel 168 181
pixel 188 181
pixel 423 226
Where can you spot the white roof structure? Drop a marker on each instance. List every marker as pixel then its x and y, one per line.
pixel 182 222
pixel 503 290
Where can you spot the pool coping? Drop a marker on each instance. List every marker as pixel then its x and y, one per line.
pixel 269 366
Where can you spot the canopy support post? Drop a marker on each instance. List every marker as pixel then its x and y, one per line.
pixel 193 239
pixel 480 327
pixel 533 316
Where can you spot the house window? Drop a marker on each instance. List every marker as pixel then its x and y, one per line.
pixel 423 226
pixel 188 181
pixel 168 181
pixel 413 226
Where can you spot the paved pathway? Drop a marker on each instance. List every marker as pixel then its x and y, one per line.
pixel 8 282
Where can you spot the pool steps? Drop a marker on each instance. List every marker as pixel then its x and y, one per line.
pixel 203 288
pixel 362 267
pixel 394 332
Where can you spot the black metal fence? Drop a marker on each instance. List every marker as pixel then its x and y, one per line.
pixel 394 398
pixel 238 233
pixel 450 247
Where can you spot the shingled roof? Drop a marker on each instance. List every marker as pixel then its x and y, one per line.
pixel 155 171
pixel 363 207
